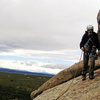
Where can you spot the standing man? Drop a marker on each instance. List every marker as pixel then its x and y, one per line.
pixel 88 45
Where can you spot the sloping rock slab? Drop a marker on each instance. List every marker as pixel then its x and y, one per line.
pixel 75 89
pixel 63 76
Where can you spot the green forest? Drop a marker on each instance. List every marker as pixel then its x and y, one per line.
pixel 19 86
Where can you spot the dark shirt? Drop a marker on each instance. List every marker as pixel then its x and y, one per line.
pixel 93 37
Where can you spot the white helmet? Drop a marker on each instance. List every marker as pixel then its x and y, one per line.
pixel 90 27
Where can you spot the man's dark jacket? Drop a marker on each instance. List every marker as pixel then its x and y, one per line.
pixel 94 38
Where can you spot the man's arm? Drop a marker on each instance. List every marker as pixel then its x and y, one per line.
pixel 97 44
pixel 82 43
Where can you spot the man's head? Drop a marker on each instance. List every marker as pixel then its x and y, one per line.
pixel 90 29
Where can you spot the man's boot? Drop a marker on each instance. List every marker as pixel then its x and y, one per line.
pixel 83 77
pixel 91 76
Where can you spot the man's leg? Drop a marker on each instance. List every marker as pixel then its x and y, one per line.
pixel 85 65
pixel 92 64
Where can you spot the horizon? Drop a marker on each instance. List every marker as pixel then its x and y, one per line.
pixel 44 35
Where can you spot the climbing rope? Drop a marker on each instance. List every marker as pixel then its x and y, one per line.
pixel 71 81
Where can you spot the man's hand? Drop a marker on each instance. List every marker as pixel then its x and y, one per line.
pixel 98 53
pixel 82 48
pixel 94 46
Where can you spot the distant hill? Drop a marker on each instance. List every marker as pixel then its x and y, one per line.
pixel 24 72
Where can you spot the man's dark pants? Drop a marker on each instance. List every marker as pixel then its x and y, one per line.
pixel 89 54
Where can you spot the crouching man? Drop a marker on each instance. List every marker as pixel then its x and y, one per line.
pixel 89 44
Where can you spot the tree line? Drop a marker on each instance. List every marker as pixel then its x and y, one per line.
pixel 13 93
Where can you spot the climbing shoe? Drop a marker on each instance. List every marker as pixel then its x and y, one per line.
pixel 91 76
pixel 83 77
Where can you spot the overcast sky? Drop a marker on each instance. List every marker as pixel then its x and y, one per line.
pixel 52 27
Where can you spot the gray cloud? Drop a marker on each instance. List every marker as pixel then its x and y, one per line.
pixel 56 66
pixel 45 24
pixel 7 46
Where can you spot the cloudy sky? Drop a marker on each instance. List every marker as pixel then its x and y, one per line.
pixel 43 35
